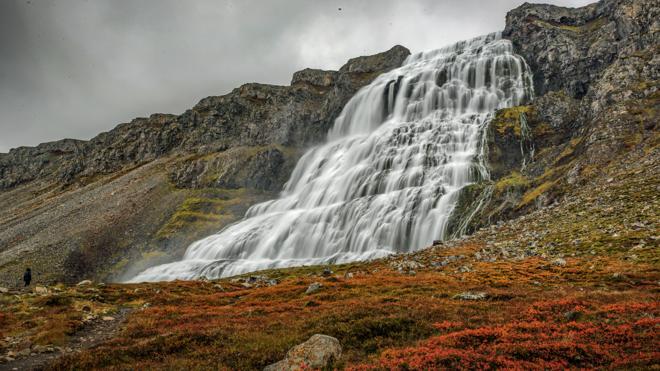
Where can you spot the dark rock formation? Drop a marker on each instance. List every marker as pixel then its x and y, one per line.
pixel 263 168
pixel 23 164
pixel 569 49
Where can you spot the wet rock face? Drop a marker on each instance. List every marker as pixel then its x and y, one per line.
pixel 569 48
pixel 596 72
pixel 251 115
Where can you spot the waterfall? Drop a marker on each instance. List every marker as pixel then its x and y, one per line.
pixel 388 176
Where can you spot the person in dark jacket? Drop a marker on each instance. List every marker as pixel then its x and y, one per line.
pixel 27 277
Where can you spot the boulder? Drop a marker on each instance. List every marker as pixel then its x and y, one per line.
pixel 471 296
pixel 41 290
pixel 25 352
pixel 319 352
pixel 559 262
pixel 313 288
pixel 84 283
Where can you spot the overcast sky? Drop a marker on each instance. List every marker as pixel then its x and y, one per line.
pixel 74 68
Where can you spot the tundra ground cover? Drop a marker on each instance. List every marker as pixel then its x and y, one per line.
pixel 536 315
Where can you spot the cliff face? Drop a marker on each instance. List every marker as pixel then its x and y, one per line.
pixel 146 189
pixel 596 72
pixel 569 49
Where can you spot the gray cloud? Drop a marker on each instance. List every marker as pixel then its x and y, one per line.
pixel 74 68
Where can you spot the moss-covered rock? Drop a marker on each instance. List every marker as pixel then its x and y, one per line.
pixel 485 203
pixel 509 144
pixel 202 212
pixel 513 182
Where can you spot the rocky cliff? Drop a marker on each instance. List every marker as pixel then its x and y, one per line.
pixel 147 188
pixel 596 74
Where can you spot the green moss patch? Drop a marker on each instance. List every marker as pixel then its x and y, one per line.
pixel 533 194
pixel 508 120
pixel 514 181
pixel 205 210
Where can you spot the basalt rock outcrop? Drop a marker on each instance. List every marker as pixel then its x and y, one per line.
pixel 568 49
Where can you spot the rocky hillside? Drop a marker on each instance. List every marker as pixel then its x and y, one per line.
pixel 146 189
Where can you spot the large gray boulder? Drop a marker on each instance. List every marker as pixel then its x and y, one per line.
pixel 319 352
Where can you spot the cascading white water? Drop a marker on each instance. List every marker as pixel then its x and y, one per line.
pixel 387 178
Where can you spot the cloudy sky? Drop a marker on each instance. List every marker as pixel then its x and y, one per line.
pixel 74 68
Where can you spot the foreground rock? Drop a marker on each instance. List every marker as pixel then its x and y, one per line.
pixel 471 296
pixel 319 352
pixel 314 287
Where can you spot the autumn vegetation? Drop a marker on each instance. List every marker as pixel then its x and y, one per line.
pixel 536 315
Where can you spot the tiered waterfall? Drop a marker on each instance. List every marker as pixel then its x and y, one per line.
pixel 388 176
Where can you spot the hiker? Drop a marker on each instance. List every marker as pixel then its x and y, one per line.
pixel 27 277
